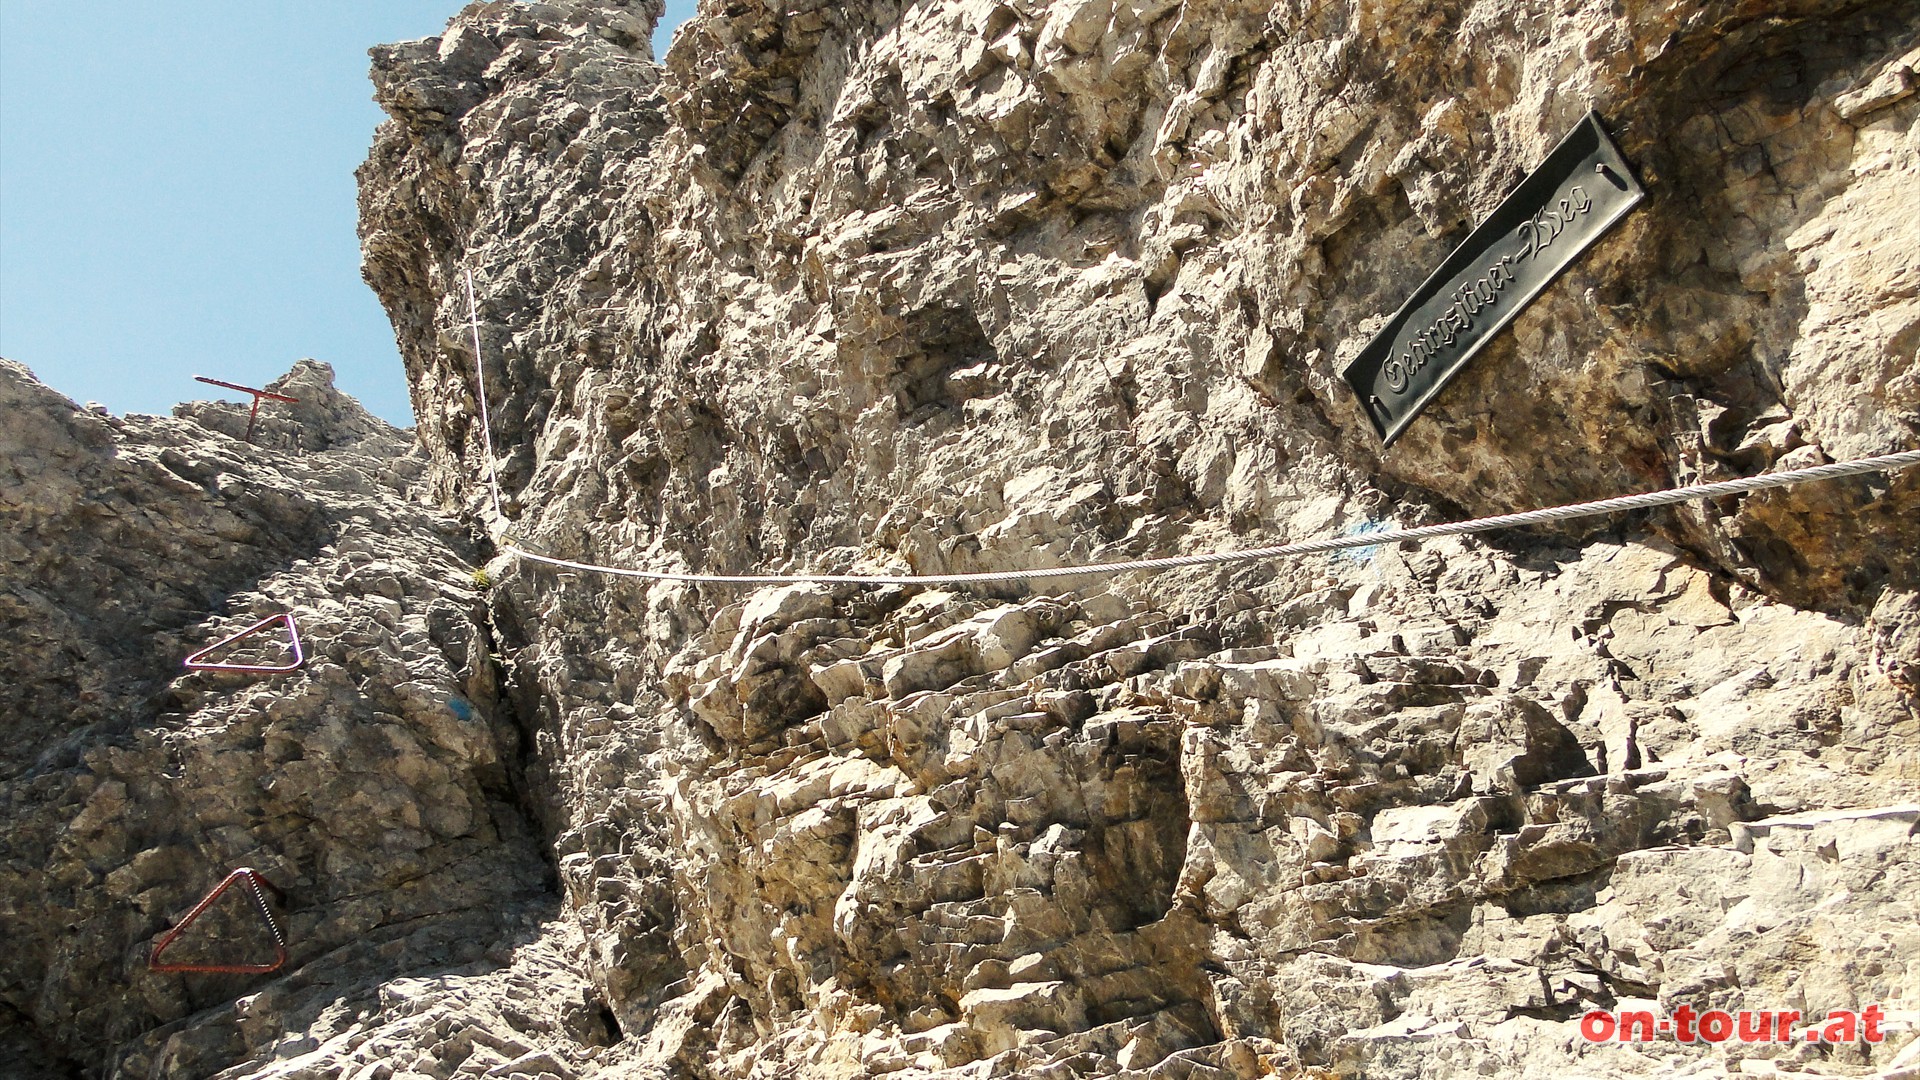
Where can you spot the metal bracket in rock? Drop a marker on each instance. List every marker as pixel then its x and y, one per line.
pixel 259 395
pixel 253 880
pixel 199 662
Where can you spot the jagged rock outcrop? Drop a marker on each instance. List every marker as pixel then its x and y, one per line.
pixel 974 285
pixel 375 785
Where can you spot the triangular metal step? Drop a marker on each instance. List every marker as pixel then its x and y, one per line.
pixel 253 881
pixel 199 662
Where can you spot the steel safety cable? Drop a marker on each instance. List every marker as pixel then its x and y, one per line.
pixel 1596 508
pixel 486 422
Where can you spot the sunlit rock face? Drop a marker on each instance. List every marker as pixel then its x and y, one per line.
pixel 983 286
pixel 377 785
pixel 980 286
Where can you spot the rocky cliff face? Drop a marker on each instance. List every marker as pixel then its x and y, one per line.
pixel 976 285
pixel 980 285
pixel 377 785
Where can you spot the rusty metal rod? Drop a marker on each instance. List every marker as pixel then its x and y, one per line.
pixel 254 413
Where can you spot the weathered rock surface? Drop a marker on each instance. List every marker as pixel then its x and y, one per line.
pixel 961 286
pixel 969 285
pixel 375 785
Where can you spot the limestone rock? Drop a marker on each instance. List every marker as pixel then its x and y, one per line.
pixel 967 286
pixel 376 785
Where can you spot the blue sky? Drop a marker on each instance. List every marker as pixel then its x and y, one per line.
pixel 177 194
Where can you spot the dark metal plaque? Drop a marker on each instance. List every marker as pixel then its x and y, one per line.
pixel 1556 213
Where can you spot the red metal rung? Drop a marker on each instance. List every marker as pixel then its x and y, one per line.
pixel 254 880
pixel 199 662
pixel 257 393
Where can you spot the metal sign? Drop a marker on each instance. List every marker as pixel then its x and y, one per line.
pixel 1555 214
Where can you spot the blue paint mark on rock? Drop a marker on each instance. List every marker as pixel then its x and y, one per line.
pixel 460 707
pixel 1362 555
